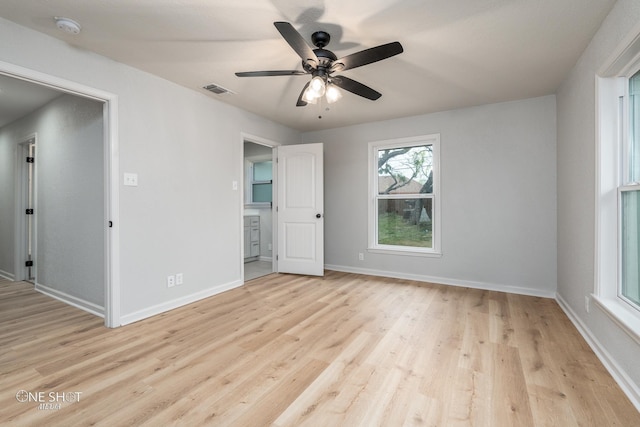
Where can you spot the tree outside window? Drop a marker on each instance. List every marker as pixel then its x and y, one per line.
pixel 404 196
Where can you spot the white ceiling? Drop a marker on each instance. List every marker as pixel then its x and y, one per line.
pixel 457 53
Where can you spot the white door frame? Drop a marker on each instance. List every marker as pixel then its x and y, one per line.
pixel 111 174
pixel 21 202
pixel 274 215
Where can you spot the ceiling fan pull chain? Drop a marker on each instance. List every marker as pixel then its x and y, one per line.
pixel 320 108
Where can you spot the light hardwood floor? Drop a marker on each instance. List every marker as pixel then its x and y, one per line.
pixel 284 350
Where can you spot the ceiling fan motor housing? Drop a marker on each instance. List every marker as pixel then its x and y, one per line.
pixel 325 59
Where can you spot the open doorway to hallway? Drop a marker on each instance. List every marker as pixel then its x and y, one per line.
pixel 55 164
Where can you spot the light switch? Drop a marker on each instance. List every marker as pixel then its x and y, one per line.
pixel 234 185
pixel 131 179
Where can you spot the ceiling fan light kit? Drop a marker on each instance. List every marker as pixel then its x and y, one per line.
pixel 315 90
pixel 321 63
pixel 332 94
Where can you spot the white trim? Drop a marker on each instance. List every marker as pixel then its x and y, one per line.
pixel 111 147
pixel 36 208
pixel 372 231
pixel 607 165
pixel 87 306
pixel 21 202
pixel 7 275
pixel 625 317
pixel 402 250
pixel 178 302
pixel 112 212
pixel 627 385
pixel 624 57
pixel 444 281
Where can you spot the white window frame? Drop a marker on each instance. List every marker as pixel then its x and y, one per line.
pixel 373 246
pixel 612 133
pixel 249 165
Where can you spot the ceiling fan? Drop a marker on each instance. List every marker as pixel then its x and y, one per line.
pixel 322 63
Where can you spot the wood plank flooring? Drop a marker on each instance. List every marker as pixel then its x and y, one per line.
pixel 285 350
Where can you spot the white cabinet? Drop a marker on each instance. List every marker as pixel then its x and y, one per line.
pixel 251 238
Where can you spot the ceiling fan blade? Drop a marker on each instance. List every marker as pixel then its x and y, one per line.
pixel 271 73
pixel 355 87
pixel 300 102
pixel 367 56
pixel 297 42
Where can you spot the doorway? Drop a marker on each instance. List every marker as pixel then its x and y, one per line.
pixel 258 215
pixel 295 239
pixel 28 237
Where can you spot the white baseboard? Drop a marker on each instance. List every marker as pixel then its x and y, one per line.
pixel 7 275
pixel 619 375
pixel 90 307
pixel 178 302
pixel 265 258
pixel 445 281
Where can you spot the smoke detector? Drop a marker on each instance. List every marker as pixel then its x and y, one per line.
pixel 68 25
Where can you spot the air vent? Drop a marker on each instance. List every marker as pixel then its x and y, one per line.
pixel 218 90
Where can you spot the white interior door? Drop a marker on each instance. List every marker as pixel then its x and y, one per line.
pixel 300 209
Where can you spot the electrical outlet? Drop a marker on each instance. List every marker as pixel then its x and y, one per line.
pixel 179 279
pixel 171 281
pixel 586 303
pixel 361 256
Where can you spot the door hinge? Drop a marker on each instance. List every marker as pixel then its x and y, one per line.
pixel 110 224
pixel 28 263
pixel 276 257
pixel 30 159
pixel 29 211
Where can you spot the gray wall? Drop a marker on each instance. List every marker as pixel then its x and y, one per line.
pixel 70 194
pixel 576 189
pixel 498 185
pixel 186 148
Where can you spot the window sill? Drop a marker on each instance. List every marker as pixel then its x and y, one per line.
pixel 626 317
pixel 404 252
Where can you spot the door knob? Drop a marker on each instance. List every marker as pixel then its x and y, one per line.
pixel 318 216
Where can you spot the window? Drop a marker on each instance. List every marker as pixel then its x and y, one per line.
pixel 617 288
pixel 629 195
pixel 261 183
pixel 404 209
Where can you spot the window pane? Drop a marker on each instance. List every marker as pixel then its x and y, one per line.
pixel 405 170
pixel 405 222
pixel 261 193
pixel 631 245
pixel 634 137
pixel 262 171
